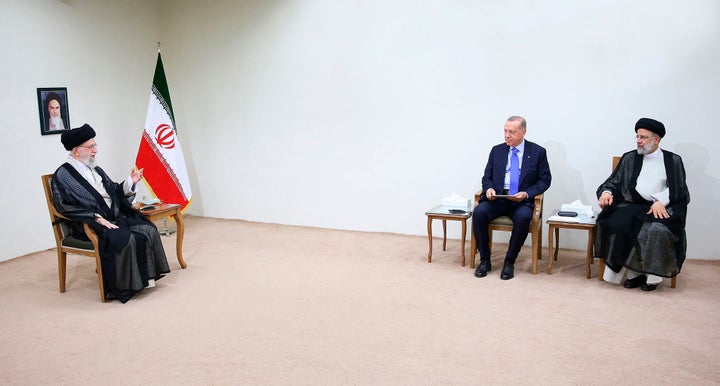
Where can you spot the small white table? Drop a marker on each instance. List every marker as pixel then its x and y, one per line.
pixel 443 213
pixel 554 239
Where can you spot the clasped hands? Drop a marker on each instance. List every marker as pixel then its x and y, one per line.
pixel 657 209
pixel 517 197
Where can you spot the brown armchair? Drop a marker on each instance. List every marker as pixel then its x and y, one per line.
pixel 504 223
pixel 69 244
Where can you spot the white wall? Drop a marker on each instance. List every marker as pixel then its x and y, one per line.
pixel 104 53
pixel 362 115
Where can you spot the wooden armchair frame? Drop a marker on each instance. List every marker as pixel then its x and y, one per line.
pixel 504 223
pixel 68 244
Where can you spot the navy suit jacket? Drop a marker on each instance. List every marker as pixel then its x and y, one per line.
pixel 534 176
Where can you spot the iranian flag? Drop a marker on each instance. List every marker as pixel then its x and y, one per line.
pixel 160 153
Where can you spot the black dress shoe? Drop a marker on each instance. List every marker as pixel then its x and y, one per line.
pixel 648 287
pixel 508 271
pixel 483 268
pixel 635 282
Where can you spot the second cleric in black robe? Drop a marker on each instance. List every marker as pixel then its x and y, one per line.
pixel 644 201
pixel 131 251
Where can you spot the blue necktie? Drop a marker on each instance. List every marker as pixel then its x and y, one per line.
pixel 514 171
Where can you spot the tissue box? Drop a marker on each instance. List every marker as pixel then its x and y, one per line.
pixel 456 202
pixel 582 210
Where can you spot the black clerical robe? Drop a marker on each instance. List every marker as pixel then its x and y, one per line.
pixel 131 254
pixel 627 236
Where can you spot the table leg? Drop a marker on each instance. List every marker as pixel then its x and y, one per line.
pixel 552 234
pixel 430 239
pixel 444 233
pixel 591 241
pixel 462 242
pixel 180 234
pixel 473 247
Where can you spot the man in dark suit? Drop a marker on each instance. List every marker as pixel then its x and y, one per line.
pixel 518 170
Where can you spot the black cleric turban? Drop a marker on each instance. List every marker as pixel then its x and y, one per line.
pixel 53 96
pixel 652 125
pixel 76 137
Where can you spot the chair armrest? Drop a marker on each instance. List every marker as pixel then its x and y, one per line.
pixel 90 233
pixel 478 195
pixel 537 214
pixel 60 215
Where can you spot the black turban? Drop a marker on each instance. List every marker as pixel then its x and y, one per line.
pixel 76 137
pixel 652 125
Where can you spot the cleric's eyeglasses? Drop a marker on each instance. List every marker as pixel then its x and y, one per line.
pixel 644 137
pixel 94 145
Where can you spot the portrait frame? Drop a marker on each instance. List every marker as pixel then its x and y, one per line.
pixel 45 96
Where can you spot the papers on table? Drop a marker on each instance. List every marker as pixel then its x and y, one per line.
pixel 576 219
pixel 150 201
pixel 450 210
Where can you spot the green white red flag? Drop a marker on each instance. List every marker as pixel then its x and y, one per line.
pixel 160 153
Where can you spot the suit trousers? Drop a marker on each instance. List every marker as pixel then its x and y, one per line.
pixel 486 211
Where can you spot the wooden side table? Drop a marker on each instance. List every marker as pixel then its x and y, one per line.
pixel 169 210
pixel 554 238
pixel 442 213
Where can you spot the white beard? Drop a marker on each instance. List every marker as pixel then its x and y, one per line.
pixel 644 149
pixel 89 161
pixel 57 123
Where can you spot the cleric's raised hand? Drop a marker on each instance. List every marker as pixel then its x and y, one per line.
pixel 136 175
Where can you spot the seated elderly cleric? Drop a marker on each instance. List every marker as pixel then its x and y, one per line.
pixel 644 204
pixel 131 252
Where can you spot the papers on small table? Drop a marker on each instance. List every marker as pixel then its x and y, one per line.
pixel 555 217
pixel 150 201
pixel 442 209
pixel 579 219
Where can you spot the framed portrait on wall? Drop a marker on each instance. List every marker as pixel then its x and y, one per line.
pixel 53 108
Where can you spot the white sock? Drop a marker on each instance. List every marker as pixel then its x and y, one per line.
pixel 652 279
pixel 612 277
pixel 151 283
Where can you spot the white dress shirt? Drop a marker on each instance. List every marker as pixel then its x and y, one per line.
pixel 652 181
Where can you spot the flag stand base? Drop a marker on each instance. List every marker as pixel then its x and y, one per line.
pixel 165 231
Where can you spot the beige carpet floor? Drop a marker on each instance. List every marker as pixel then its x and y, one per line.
pixel 265 304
